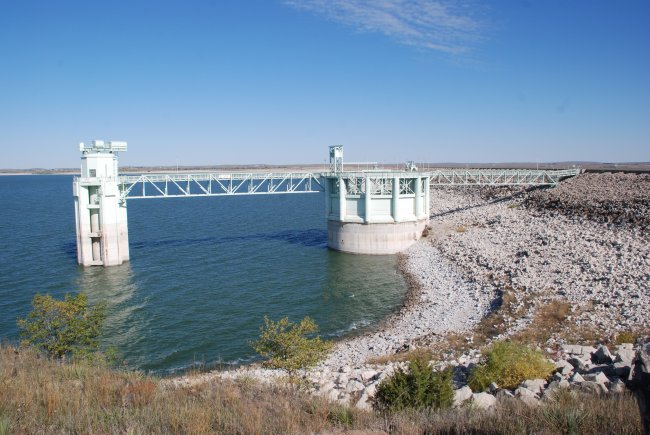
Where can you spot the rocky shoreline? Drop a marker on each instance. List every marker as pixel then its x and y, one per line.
pixel 585 244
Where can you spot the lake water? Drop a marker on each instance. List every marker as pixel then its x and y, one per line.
pixel 203 272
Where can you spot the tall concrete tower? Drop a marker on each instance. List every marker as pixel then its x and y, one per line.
pixel 100 214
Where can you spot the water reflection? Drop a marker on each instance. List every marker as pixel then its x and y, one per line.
pixel 116 286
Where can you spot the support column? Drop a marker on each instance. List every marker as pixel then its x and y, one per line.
pixel 328 197
pixel 418 198
pixel 395 200
pixel 342 199
pixel 368 201
pixel 427 197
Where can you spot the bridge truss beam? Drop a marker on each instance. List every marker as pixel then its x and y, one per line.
pixel 216 184
pixel 499 177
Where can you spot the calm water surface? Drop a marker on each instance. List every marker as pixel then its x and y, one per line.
pixel 203 271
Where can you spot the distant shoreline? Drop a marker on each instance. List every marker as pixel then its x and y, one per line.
pixel 635 167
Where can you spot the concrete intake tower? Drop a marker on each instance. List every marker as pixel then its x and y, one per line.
pixel 374 211
pixel 100 211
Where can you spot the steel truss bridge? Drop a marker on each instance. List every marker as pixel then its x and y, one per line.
pixel 222 184
pixel 500 177
pixel 217 184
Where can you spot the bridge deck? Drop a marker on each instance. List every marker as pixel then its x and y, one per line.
pixel 219 184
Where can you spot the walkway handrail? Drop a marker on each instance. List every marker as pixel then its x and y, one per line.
pixel 217 184
pixel 251 183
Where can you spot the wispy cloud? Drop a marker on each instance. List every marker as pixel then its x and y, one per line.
pixel 445 26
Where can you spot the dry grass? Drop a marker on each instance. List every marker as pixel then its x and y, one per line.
pixel 549 320
pixel 571 413
pixel 512 305
pixel 42 396
pixel 402 356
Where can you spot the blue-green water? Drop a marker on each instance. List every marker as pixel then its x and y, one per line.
pixel 203 271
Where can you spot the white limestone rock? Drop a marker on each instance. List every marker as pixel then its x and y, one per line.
pixel 483 400
pixel 575 349
pixel 598 377
pixel 461 395
pixel 353 386
pixel 526 396
pixel 534 385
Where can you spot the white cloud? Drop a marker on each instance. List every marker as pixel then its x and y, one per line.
pixel 429 24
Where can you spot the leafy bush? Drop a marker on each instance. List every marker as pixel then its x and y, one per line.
pixel 419 388
pixel 508 364
pixel 286 345
pixel 60 328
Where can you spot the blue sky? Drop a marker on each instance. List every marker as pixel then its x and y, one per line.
pixel 226 82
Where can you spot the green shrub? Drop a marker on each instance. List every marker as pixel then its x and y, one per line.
pixel 508 364
pixel 341 416
pixel 419 388
pixel 60 328
pixel 287 346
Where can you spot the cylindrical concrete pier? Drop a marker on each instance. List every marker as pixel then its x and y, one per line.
pixel 375 212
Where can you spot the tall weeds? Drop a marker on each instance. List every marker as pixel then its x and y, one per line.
pixel 39 395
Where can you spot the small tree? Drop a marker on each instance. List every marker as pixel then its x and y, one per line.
pixel 60 328
pixel 419 388
pixel 286 345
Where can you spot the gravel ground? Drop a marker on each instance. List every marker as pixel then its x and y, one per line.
pixel 586 242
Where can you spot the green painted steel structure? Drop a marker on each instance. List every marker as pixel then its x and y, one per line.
pixel 251 183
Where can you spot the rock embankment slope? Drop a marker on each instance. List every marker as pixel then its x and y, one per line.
pixel 586 241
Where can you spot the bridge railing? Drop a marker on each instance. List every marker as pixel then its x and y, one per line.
pixel 500 177
pixel 217 184
pixel 252 183
pixel 480 177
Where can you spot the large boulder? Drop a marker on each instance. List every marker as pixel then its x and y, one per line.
pixel 534 385
pixel 461 395
pixel 574 349
pixel 526 396
pixel 579 365
pixel 625 354
pixel 563 367
pixel 483 400
pixel 622 369
pixel 602 355
pixel 576 378
pixel 598 377
pixel 365 401
pixel 369 375
pixel 353 386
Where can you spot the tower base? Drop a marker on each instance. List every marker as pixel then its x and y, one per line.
pixel 373 239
